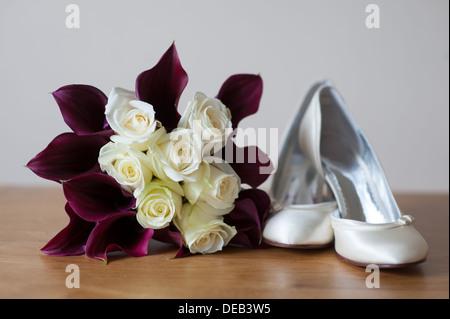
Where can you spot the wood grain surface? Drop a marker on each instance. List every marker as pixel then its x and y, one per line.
pixel 30 217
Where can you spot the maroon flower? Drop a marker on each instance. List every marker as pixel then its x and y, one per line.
pixel 73 154
pixel 171 235
pixel 241 93
pixel 69 155
pixel 119 232
pixel 72 239
pixel 248 216
pixel 251 164
pixel 82 108
pixel 102 215
pixel 96 196
pixel 162 86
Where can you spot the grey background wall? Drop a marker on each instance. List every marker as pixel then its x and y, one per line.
pixel 395 79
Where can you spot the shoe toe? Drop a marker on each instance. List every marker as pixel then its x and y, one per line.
pixel 298 226
pixel 393 247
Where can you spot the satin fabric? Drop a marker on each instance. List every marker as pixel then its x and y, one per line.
pixel 301 214
pixel 368 226
pixel 300 225
pixel 388 244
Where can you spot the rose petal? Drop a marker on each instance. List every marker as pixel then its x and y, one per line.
pixel 251 164
pixel 82 107
pixel 120 231
pixel 96 196
pixel 241 93
pixel 162 86
pixel 248 216
pixel 72 239
pixel 67 156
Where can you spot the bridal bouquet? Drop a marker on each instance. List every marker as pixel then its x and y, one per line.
pixel 133 169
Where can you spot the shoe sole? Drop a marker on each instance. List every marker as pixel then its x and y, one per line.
pixel 303 246
pixel 382 266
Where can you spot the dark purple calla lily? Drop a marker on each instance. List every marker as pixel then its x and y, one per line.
pixel 119 232
pixel 248 216
pixel 82 108
pixel 251 164
pixel 171 235
pixel 96 196
pixel 67 156
pixel 241 93
pixel 162 86
pixel 183 252
pixel 72 239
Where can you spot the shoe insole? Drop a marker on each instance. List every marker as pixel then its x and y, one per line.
pixel 300 185
pixel 357 181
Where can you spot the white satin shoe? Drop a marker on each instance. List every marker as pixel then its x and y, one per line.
pixel 369 228
pixel 301 214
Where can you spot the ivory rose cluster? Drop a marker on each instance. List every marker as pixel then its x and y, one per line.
pixel 164 169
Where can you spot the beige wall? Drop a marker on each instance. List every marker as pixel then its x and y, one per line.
pixel 395 79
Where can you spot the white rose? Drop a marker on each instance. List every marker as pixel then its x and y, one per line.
pixel 209 118
pixel 132 120
pixel 203 232
pixel 129 167
pixel 215 183
pixel 158 203
pixel 175 155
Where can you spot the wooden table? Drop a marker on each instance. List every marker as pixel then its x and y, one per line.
pixel 31 216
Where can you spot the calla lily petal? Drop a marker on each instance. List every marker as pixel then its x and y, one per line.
pixel 67 156
pixel 96 196
pixel 248 216
pixel 119 232
pixel 241 93
pixel 171 235
pixel 72 239
pixel 251 164
pixel 82 107
pixel 162 86
pixel 183 252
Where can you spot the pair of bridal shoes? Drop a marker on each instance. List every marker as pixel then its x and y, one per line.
pixel 330 188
